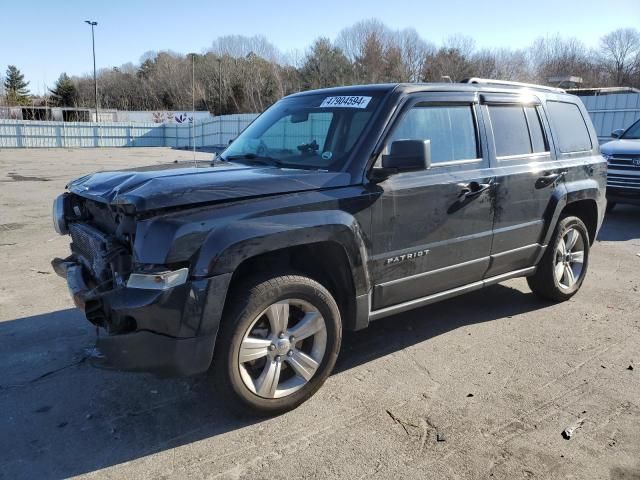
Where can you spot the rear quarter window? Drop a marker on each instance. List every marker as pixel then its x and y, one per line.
pixel 569 127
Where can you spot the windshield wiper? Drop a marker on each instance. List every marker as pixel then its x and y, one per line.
pixel 252 157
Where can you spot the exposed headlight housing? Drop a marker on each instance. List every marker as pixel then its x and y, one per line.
pixel 57 214
pixel 607 156
pixel 158 281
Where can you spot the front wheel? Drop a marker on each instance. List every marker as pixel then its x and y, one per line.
pixel 278 343
pixel 563 266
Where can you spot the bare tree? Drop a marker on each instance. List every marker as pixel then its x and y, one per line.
pixel 620 55
pixel 247 74
pixel 353 40
pixel 556 56
pixel 239 46
pixel 415 51
pixel 502 64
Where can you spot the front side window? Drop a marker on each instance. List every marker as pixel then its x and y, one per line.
pixel 450 128
pixel 633 132
pixel 308 131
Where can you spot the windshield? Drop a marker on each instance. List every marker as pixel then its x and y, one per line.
pixel 310 131
pixel 633 133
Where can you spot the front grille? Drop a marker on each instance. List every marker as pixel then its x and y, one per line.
pixel 624 172
pixel 91 247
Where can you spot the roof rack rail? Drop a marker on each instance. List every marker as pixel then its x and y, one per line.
pixel 490 81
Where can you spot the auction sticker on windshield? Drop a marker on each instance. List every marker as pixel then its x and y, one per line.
pixel 346 102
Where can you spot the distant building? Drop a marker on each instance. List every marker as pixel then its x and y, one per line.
pixel 565 81
pixel 601 91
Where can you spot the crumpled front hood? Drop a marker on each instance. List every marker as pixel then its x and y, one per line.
pixel 166 186
pixel 622 147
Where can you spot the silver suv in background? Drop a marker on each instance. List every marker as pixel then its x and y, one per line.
pixel 623 155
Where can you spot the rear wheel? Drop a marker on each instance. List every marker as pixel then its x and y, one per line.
pixel 563 266
pixel 278 343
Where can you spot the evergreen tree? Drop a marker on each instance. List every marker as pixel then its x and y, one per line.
pixel 146 68
pixel 15 87
pixel 64 94
pixel 325 66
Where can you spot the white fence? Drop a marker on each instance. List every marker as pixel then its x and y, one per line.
pixel 36 134
pixel 611 112
pixel 608 113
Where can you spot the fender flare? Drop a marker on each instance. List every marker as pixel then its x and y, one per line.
pixel 226 248
pixel 564 195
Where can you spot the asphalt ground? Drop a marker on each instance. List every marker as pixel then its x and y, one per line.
pixel 480 386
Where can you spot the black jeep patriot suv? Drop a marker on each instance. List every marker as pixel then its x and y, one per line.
pixel 333 209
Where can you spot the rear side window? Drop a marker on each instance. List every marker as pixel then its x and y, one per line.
pixel 451 129
pixel 510 130
pixel 569 128
pixel 517 130
pixel 538 141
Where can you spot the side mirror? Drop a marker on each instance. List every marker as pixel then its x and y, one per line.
pixel 408 155
pixel 617 133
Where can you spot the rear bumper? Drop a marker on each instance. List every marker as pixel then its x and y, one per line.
pixel 167 332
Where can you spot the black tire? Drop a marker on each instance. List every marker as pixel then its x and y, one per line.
pixel 610 206
pixel 544 283
pixel 249 301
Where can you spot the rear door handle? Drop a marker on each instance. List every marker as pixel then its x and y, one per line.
pixel 550 178
pixel 473 189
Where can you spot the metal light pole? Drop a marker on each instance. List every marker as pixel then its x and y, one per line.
pixel 220 86
pixel 95 81
pixel 193 104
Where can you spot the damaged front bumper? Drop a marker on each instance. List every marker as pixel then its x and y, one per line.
pixel 168 332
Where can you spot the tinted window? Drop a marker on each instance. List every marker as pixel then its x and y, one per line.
pixel 535 129
pixel 306 131
pixel 451 130
pixel 510 130
pixel 355 128
pixel 569 128
pixel 286 134
pixel 633 133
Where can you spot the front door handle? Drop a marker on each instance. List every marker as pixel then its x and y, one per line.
pixel 473 189
pixel 550 178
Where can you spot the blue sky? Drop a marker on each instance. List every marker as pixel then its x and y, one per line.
pixel 45 38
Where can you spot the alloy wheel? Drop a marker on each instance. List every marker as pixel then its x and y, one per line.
pixel 569 259
pixel 282 348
